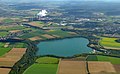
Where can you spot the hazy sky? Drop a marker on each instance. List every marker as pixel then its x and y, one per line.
pixel 55 0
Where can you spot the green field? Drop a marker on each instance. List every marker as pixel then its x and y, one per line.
pixel 20 45
pixel 9 28
pixel 39 22
pixel 2 45
pixel 43 65
pixel 40 32
pixel 33 34
pixel 92 58
pixel 4 50
pixel 8 20
pixel 3 34
pixel 109 42
pixel 42 69
pixel 113 60
pixel 17 45
pixel 16 28
pixel 59 33
pixel 47 60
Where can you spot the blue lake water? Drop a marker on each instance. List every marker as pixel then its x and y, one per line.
pixel 65 47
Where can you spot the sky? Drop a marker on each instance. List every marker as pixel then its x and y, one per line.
pixel 57 0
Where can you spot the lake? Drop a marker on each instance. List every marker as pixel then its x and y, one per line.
pixel 64 47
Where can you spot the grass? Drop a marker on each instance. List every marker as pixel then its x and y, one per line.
pixel 42 69
pixel 32 34
pixel 17 45
pixel 9 28
pixel 92 57
pixel 39 22
pixel 39 33
pixel 113 60
pixel 8 20
pixel 2 44
pixel 59 33
pixel 4 50
pixel 20 45
pixel 109 42
pixel 48 60
pixel 4 33
pixel 43 65
pixel 16 28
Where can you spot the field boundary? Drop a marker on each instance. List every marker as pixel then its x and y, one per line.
pixel 58 66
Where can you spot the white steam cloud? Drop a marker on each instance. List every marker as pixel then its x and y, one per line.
pixel 42 13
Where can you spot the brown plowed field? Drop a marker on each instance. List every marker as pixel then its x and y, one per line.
pixel 35 24
pixel 56 36
pixel 10 58
pixel 35 38
pixel 4 70
pixel 14 31
pixel 117 68
pixel 48 36
pixel 73 33
pixel 72 67
pixel 101 68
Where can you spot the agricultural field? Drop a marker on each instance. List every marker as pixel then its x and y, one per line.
pixel 101 68
pixel 2 44
pixel 48 36
pixel 109 43
pixel 113 60
pixel 33 34
pixel 35 38
pixel 72 67
pixel 43 65
pixel 42 69
pixel 10 28
pixel 6 47
pixel 47 60
pixel 3 34
pixel 8 20
pixel 92 58
pixel 3 49
pixel 59 33
pixel 10 58
pixel 42 34
pixel 16 28
pixel 37 24
pixel 17 45
pixel 4 71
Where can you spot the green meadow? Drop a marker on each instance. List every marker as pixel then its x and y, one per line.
pixel 47 60
pixel 109 42
pixel 3 50
pixel 113 60
pixel 59 33
pixel 42 69
pixel 43 65
pixel 3 34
